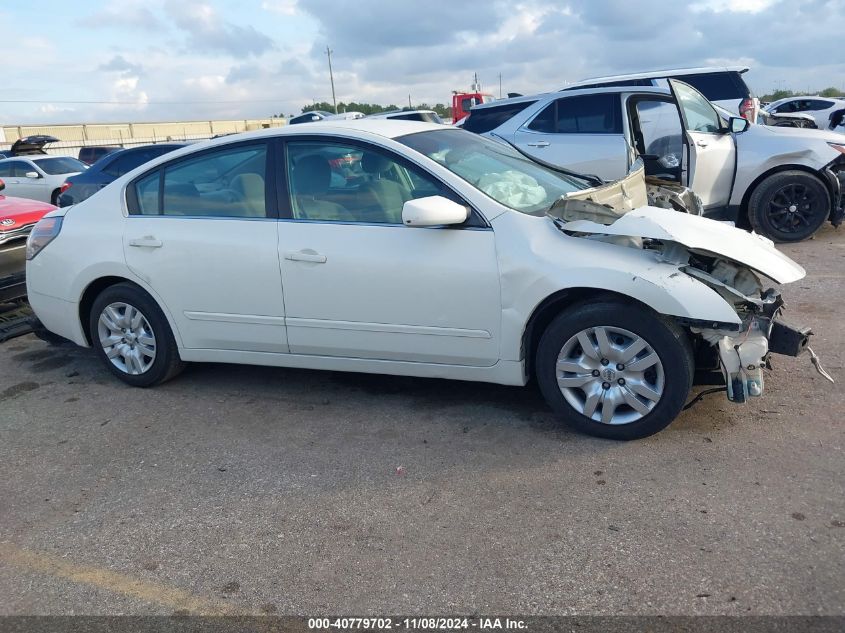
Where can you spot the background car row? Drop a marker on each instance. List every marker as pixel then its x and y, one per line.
pixel 782 182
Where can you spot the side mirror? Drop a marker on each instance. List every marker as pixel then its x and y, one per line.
pixel 433 211
pixel 32 174
pixel 737 125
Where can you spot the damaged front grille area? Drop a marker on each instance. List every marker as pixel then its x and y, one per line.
pixel 744 354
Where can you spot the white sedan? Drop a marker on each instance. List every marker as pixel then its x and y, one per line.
pixel 821 109
pixel 408 248
pixel 39 176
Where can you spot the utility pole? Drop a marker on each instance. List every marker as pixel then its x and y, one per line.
pixel 331 77
pixel 409 103
pixel 500 85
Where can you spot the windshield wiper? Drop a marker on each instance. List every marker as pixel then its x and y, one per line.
pixel 590 178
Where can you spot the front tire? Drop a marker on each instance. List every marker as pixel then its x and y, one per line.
pixel 789 206
pixel 131 336
pixel 614 370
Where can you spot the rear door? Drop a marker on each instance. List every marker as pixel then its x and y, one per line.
pixel 201 232
pixel 583 133
pixel 712 149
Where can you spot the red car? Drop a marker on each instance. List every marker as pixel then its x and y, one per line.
pixel 17 217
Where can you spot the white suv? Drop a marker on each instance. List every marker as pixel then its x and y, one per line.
pixel 783 182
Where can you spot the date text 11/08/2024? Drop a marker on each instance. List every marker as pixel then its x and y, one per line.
pixel 419 623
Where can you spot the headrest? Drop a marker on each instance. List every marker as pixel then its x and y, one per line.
pixel 311 175
pixel 375 163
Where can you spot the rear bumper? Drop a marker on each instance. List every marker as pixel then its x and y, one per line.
pixel 58 316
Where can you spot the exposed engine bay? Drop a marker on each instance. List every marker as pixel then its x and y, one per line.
pixel 733 268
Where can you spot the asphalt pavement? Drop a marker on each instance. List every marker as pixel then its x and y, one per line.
pixel 237 489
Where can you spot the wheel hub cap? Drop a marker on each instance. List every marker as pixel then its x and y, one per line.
pixel 610 375
pixel 792 208
pixel 127 338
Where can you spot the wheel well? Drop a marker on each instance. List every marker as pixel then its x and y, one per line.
pixel 742 219
pixel 90 295
pixel 55 194
pixel 551 306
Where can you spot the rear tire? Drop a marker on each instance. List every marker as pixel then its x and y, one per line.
pixel 54 198
pixel 130 334
pixel 635 393
pixel 789 206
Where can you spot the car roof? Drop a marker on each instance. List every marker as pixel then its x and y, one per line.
pixel 388 128
pixel 659 74
pixel 37 157
pixel 573 93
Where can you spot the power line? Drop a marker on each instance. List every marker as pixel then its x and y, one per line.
pixel 47 101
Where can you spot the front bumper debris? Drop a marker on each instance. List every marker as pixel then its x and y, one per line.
pixel 744 355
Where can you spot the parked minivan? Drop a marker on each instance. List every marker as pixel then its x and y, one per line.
pixel 721 85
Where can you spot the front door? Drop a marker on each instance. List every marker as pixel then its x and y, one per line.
pixel 18 184
pixel 712 149
pixel 199 235
pixel 359 284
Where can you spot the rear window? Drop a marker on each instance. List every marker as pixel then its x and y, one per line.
pixel 486 119
pixel 717 86
pixel 60 165
pixel 587 114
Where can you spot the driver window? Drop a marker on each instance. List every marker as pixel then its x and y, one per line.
pixel 332 182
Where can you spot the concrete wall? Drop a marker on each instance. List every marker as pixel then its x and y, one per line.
pixel 74 136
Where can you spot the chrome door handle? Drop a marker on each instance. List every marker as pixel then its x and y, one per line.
pixel 305 256
pixel 539 144
pixel 147 241
pixel 701 143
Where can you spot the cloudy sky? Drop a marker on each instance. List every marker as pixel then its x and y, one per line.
pixel 148 60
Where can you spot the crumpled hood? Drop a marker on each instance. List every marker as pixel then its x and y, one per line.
pixel 698 234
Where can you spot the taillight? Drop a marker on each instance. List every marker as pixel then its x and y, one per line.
pixel 44 232
pixel 65 186
pixel 746 109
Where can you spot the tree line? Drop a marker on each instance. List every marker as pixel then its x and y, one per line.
pixel 783 94
pixel 371 108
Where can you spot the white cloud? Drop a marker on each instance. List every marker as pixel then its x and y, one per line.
pixel 733 6
pixel 285 7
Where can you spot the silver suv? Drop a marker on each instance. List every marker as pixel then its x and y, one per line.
pixel 782 182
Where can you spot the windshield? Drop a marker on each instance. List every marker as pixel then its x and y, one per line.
pixel 61 165
pixel 495 169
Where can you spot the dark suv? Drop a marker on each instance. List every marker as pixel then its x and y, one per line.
pixel 111 166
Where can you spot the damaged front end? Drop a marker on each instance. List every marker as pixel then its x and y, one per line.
pixel 733 264
pixel 742 353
